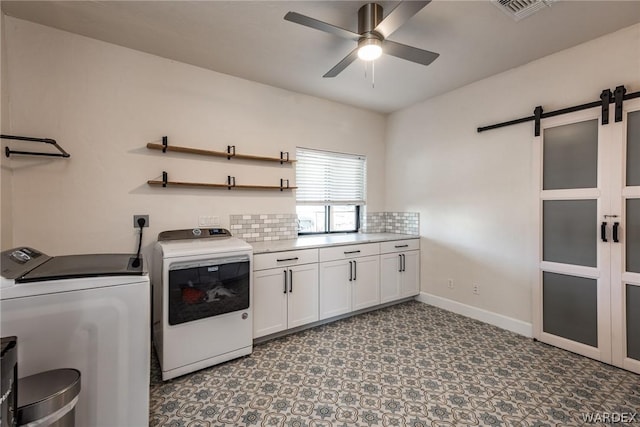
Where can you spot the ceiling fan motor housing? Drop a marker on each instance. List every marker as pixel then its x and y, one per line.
pixel 369 16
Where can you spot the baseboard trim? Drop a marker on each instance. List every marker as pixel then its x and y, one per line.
pixel 504 322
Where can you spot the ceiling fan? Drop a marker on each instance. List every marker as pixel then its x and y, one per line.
pixel 373 33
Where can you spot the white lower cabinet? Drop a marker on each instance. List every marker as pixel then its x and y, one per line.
pixel 296 288
pixel 366 283
pixel 410 277
pixel 335 289
pixel 399 270
pixel 286 296
pixel 351 282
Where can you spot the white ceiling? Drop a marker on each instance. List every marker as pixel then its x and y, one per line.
pixel 251 40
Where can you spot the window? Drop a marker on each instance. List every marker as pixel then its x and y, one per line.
pixel 331 190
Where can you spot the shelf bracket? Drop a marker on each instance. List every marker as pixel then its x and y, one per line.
pixel 284 157
pixel 231 151
pixel 605 97
pixel 619 98
pixel 8 152
pixel 231 182
pixel 165 144
pixel 165 178
pixel 282 182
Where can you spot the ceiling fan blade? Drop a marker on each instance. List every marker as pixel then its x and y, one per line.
pixel 409 53
pixel 398 16
pixel 342 64
pixel 319 25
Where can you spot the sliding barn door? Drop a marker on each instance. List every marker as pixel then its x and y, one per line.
pixel 587 293
pixel 572 299
pixel 625 254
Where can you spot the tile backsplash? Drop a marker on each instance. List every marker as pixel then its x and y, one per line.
pixel 264 227
pixel 267 227
pixel 391 222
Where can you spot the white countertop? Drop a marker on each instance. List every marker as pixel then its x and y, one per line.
pixel 319 241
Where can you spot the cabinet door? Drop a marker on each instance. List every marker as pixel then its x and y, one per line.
pixel 335 289
pixel 366 283
pixel 303 295
pixel 410 276
pixel 390 277
pixel 269 302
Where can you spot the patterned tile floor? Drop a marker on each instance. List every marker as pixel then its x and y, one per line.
pixel 407 365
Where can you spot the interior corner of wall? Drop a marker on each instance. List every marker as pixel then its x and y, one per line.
pixel 6 181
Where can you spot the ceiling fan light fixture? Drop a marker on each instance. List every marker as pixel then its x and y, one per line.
pixel 370 49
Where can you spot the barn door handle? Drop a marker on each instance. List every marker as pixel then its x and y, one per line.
pixel 615 232
pixel 603 231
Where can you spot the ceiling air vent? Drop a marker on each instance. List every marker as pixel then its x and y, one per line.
pixel 520 9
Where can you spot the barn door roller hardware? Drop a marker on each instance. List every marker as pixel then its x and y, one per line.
pixel 8 152
pixel 606 97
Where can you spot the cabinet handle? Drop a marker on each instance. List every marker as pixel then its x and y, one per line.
pixel 285 282
pixel 350 271
pixel 603 231
pixel 351 252
pixel 401 246
pixel 355 270
pixel 400 263
pixel 615 232
pixel 290 280
pixel 404 262
pixel 287 259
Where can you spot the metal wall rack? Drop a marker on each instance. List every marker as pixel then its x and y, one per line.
pixel 229 154
pixel 607 97
pixel 8 152
pixel 231 183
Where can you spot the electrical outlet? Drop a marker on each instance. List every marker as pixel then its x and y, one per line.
pixel 450 284
pixel 144 217
pixel 208 221
pixel 476 289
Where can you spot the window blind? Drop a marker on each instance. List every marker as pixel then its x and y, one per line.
pixel 328 178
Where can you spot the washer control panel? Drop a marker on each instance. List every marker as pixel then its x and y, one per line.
pixel 17 262
pixel 195 233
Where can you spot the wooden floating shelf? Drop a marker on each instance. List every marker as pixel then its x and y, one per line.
pixel 207 185
pixel 229 154
pixel 164 182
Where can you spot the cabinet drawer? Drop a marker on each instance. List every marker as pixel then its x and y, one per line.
pixel 349 251
pixel 399 246
pixel 284 259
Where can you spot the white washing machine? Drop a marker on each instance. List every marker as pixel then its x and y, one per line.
pixel 88 312
pixel 202 291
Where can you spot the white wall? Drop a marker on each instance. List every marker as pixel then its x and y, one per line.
pixel 103 103
pixel 474 191
pixel 6 224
